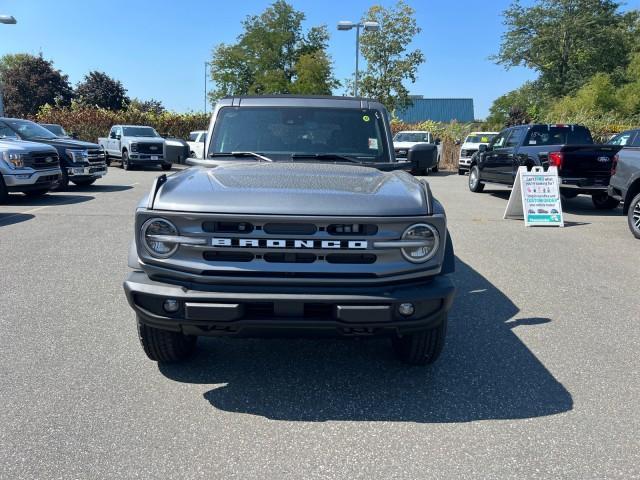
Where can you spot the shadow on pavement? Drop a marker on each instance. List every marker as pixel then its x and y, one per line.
pixel 48 200
pixel 582 205
pixel 99 188
pixel 13 218
pixel 485 372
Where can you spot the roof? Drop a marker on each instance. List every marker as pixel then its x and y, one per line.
pixel 438 110
pixel 300 101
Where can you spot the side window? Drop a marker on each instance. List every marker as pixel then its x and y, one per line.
pixel 119 131
pixel 193 137
pixel 203 137
pixel 624 139
pixel 6 132
pixel 516 137
pixel 500 140
pixel 636 141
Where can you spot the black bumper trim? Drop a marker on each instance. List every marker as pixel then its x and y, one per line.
pixel 344 311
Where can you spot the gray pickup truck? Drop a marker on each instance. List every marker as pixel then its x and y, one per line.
pixel 292 232
pixel 625 182
pixel 135 145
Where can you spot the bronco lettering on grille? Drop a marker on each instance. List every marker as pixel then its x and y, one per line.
pixel 283 243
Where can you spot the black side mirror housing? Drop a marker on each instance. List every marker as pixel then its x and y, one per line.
pixel 422 156
pixel 74 135
pixel 437 141
pixel 458 142
pixel 483 148
pixel 118 137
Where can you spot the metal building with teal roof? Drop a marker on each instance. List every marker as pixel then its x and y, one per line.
pixel 437 110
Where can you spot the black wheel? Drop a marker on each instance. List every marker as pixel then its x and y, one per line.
pixel 63 182
pixel 84 183
pixel 460 171
pixel 568 193
pixel 475 185
pixel 126 165
pixel 634 216
pixel 421 348
pixel 192 155
pixel 36 193
pixel 437 167
pixel 107 160
pixel 602 201
pixel 4 194
pixel 165 346
pixel 166 166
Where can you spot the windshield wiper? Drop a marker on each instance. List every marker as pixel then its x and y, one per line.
pixel 255 155
pixel 324 156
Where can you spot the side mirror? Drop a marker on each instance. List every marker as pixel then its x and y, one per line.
pixel 112 135
pixel 74 135
pixel 422 156
pixel 458 142
pixel 483 148
pixel 437 141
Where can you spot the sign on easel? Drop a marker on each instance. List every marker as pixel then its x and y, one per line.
pixel 535 197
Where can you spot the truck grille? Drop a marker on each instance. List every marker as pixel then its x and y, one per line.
pixel 467 152
pixel 42 161
pixel 151 148
pixel 96 155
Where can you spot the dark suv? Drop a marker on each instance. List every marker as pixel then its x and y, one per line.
pixel 625 183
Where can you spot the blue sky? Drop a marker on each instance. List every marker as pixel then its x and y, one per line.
pixel 157 48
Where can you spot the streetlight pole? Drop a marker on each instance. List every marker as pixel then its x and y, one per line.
pixel 7 20
pixel 368 27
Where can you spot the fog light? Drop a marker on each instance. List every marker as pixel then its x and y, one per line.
pixel 171 306
pixel 406 309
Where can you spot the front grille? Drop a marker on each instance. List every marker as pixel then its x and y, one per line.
pixel 401 152
pixel 292 275
pixel 467 152
pixel 95 155
pixel 151 148
pixel 42 161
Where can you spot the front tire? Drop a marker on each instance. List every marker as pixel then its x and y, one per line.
pixel 63 182
pixel 126 165
pixel 421 348
pixel 84 183
pixel 36 193
pixel 634 216
pixel 475 185
pixel 165 346
pixel 602 201
pixel 436 169
pixel 4 193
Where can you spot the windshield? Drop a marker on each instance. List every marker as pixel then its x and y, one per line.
pixel 480 138
pixel 623 139
pixel 56 130
pixel 283 131
pixel 29 130
pixel 411 137
pixel 139 132
pixel 555 135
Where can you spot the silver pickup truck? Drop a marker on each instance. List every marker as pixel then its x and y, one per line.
pixel 292 232
pixel 27 167
pixel 135 145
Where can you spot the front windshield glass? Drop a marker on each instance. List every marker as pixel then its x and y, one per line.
pixel 56 130
pixel 480 138
pixel 411 137
pixel 30 131
pixel 283 131
pixel 140 132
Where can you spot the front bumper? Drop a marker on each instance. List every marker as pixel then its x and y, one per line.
pixel 88 171
pixel 464 163
pixel 143 158
pixel 261 311
pixel 38 179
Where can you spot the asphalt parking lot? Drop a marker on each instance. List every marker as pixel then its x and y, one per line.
pixel 539 378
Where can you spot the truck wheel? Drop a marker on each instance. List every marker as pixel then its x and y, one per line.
pixel 437 167
pixel 125 160
pixel 602 201
pixel 568 193
pixel 84 183
pixel 166 166
pixel 165 346
pixel 4 194
pixel 475 185
pixel 421 348
pixel 63 182
pixel 460 171
pixel 36 193
pixel 633 216
pixel 107 159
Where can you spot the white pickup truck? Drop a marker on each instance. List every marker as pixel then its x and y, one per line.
pixel 196 143
pixel 135 145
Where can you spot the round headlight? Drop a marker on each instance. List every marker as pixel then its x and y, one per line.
pixel 428 237
pixel 151 230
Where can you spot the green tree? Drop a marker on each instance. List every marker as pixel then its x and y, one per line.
pixel 523 104
pixel 567 41
pixel 389 64
pixel 151 106
pixel 273 55
pixel 100 90
pixel 29 82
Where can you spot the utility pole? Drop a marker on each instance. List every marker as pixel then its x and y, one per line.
pixel 7 20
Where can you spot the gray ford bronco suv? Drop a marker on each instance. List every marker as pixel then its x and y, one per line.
pixel 285 228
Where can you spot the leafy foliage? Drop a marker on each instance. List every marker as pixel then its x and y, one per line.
pixel 152 105
pixel 273 55
pixel 389 64
pixel 100 90
pixel 29 82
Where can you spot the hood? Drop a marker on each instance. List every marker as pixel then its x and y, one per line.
pixel 28 147
pixel 293 189
pixel 473 146
pixel 69 143
pixel 405 144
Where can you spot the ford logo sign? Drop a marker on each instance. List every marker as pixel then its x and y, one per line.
pixel 48 160
pixel 603 159
pixel 153 147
